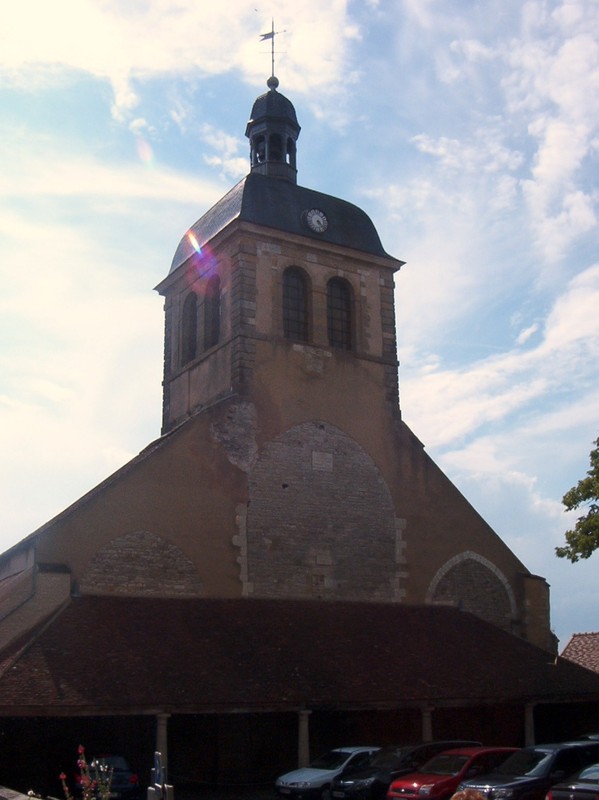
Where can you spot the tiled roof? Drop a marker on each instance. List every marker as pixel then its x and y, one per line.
pixel 128 655
pixel 583 649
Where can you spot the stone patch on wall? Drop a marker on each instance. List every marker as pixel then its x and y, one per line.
pixel 314 359
pixel 236 433
pixel 474 584
pixel 141 563
pixel 321 521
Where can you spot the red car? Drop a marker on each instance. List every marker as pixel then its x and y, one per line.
pixel 439 778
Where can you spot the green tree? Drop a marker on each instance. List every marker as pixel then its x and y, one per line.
pixel 583 540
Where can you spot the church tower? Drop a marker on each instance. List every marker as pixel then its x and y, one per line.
pixel 280 336
pixel 279 291
pixel 279 309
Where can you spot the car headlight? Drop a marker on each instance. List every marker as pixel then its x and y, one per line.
pixel 426 789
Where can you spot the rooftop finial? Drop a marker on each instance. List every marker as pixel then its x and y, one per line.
pixel 272 82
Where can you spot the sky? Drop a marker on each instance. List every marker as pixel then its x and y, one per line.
pixel 467 130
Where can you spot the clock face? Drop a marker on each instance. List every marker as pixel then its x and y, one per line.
pixel 317 220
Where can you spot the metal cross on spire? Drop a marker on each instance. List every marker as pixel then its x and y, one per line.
pixel 271 35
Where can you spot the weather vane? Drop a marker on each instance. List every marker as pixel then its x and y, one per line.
pixel 271 35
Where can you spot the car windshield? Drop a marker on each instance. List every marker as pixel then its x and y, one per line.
pixel 390 756
pixel 331 760
pixel 590 773
pixel 525 762
pixel 444 764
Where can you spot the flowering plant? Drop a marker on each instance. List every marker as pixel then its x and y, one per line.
pixel 93 780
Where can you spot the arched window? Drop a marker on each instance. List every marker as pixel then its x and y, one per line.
pixel 339 313
pixel 212 313
pixel 259 151
pixel 291 151
pixel 189 329
pixel 295 304
pixel 275 147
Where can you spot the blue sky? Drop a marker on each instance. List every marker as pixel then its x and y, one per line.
pixel 469 131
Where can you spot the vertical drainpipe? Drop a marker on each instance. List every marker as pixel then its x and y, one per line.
pixel 303 738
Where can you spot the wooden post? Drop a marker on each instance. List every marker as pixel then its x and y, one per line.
pixel 427 723
pixel 529 724
pixel 303 738
pixel 162 739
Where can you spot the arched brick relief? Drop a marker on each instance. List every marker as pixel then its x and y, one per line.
pixel 141 563
pixel 321 521
pixel 474 583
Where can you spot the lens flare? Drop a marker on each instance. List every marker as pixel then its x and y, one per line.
pixel 201 263
pixel 144 151
pixel 194 242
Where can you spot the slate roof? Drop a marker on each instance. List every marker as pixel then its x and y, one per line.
pixel 274 106
pixel 133 655
pixel 583 649
pixel 280 204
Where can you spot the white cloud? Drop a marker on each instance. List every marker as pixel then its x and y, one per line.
pixel 472 50
pixel 227 157
pixel 125 44
pixel 569 14
pixel 527 333
pixel 553 77
pixel 75 328
pixel 484 152
pixel 51 169
pixel 448 405
pixel 573 321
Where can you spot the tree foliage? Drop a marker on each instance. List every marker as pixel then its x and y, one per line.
pixel 583 540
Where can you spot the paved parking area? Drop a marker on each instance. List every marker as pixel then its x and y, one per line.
pixel 188 792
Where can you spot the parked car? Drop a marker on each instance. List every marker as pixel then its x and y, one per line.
pixel 124 783
pixel 371 782
pixel 532 771
pixel 441 775
pixel 582 786
pixel 314 781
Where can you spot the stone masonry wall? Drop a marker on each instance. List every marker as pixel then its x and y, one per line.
pixel 321 521
pixel 141 563
pixel 474 587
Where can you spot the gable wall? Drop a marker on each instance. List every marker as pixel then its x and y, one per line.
pixel 224 507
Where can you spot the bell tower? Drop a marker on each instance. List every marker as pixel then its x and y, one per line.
pixel 273 131
pixel 279 294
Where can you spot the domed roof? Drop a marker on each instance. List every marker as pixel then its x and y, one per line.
pixel 281 205
pixel 273 130
pixel 274 105
pixel 269 195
